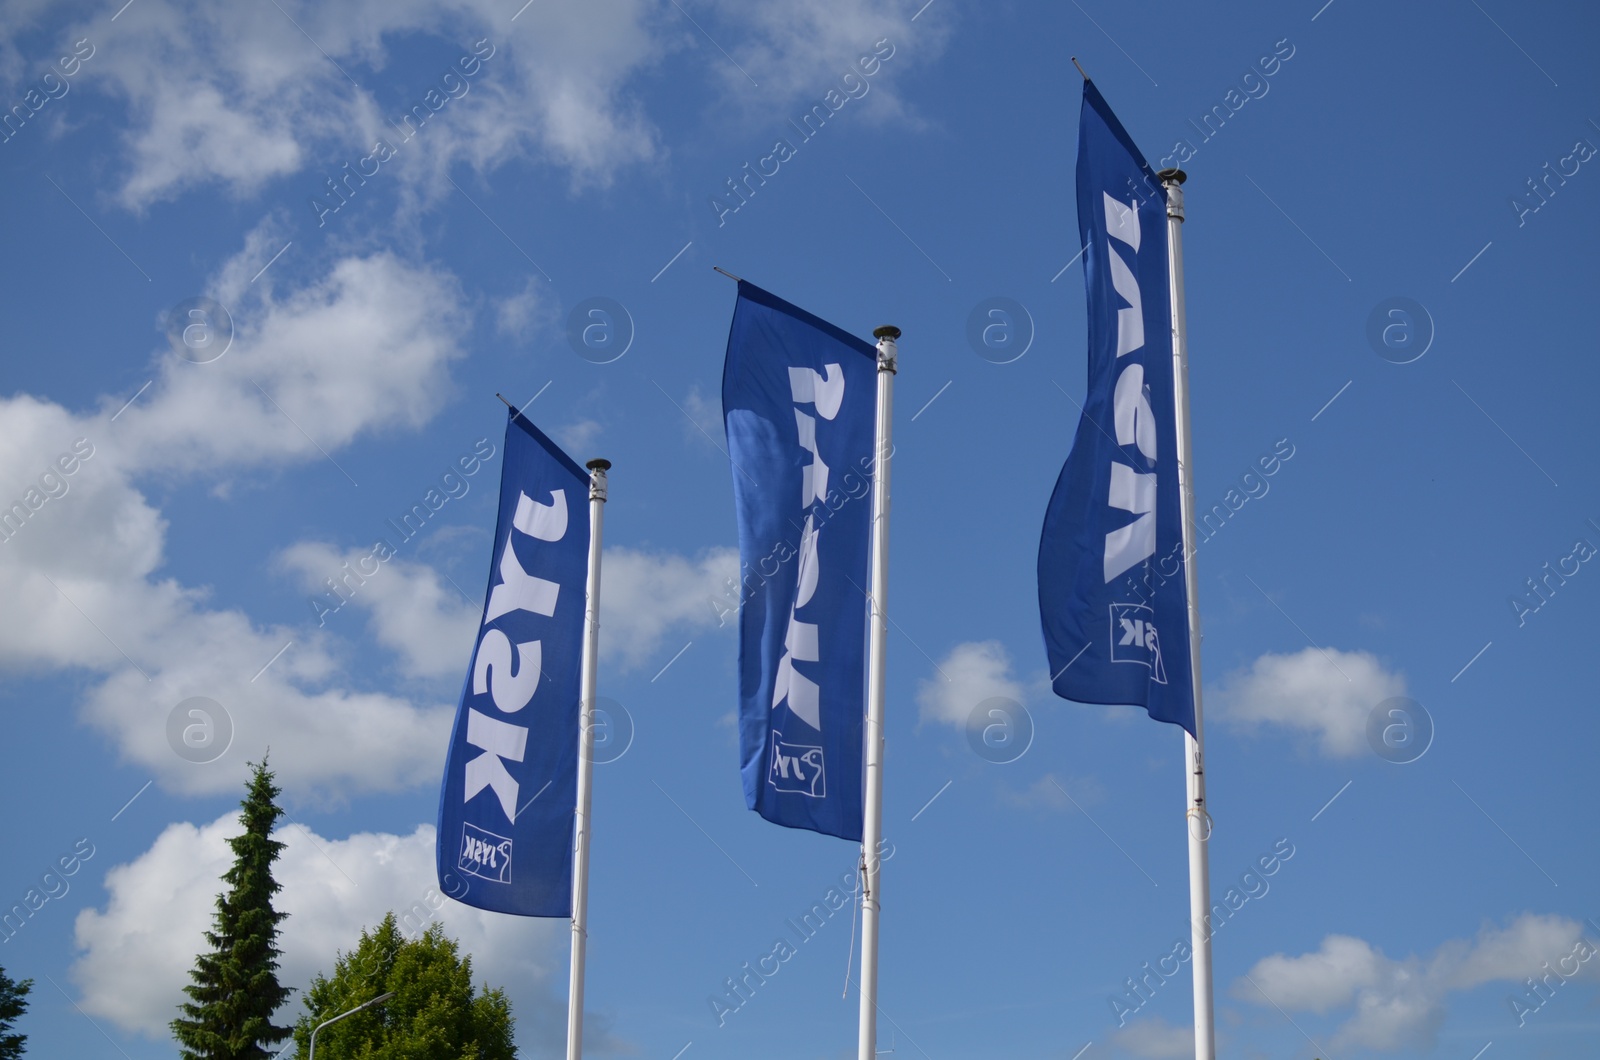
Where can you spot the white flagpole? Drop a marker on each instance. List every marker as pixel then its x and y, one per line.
pixel 580 854
pixel 1197 817
pixel 878 635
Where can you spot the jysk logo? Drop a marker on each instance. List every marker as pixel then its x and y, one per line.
pixel 797 768
pixel 485 855
pixel 1134 639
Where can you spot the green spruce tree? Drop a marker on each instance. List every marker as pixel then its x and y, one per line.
pixel 235 986
pixel 433 1015
pixel 13 1002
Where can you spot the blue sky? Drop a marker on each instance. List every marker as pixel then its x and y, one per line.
pixel 175 155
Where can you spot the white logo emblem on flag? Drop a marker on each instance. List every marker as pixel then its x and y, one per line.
pixel 1134 638
pixel 484 854
pixel 798 768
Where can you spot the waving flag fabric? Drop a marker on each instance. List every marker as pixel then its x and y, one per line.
pixel 1111 557
pixel 798 400
pixel 506 811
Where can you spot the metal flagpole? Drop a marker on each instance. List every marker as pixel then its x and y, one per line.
pixel 580 853
pixel 878 635
pixel 1197 817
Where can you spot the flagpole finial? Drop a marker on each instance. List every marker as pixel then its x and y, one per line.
pixel 888 351
pixel 1080 67
pixel 597 478
pixel 1172 180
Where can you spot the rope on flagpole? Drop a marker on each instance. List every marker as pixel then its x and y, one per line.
pixel 850 958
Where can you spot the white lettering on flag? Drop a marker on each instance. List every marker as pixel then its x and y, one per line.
pixel 498 740
pixel 1130 321
pixel 519 590
pixel 814 476
pixel 1136 542
pixel 825 391
pixel 1122 222
pixel 1132 417
pixel 800 640
pixel 491 671
pixel 547 522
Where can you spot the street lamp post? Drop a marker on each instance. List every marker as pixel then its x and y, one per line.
pixel 380 999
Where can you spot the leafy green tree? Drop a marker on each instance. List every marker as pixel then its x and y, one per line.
pixel 434 1014
pixel 13 1002
pixel 235 986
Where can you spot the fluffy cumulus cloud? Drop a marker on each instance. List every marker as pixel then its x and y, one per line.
pixel 1321 693
pixel 1394 1004
pixel 411 609
pixel 83 547
pixel 424 619
pixel 800 52
pixel 971 673
pixel 645 595
pixel 238 95
pixel 363 347
pixel 135 952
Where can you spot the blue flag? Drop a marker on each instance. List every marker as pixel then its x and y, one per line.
pixel 1111 557
pixel 510 790
pixel 798 400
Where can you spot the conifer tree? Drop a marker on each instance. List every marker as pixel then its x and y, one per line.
pixel 13 1002
pixel 235 986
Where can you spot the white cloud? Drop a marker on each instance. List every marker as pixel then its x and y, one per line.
pixel 705 424
pixel 1155 1039
pixel 578 437
pixel 1317 982
pixel 237 95
pixel 798 52
pixel 1051 792
pixel 527 312
pixel 1320 692
pixel 644 595
pixel 364 346
pixel 1400 1004
pixel 136 951
pixel 971 673
pixel 410 609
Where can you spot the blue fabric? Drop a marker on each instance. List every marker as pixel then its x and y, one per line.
pixel 1111 557
pixel 509 797
pixel 798 401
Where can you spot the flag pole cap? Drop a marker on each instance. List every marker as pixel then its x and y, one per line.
pixel 888 331
pixel 598 464
pixel 1172 176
